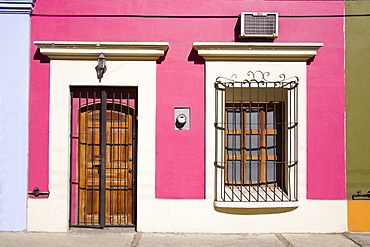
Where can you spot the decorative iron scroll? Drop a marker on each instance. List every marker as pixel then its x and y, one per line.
pixel 258 77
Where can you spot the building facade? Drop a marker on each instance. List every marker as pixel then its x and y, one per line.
pixel 357 118
pixel 14 60
pixel 189 120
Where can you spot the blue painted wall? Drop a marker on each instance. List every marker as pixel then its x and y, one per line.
pixel 14 88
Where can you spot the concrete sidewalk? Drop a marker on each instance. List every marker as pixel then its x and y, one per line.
pixel 130 238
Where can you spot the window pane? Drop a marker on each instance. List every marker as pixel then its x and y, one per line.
pixel 233 145
pixel 271 144
pixel 271 119
pixel 252 119
pixel 252 171
pixel 233 170
pixel 252 144
pixel 271 170
pixel 233 119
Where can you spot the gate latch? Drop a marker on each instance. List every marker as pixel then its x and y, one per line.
pixel 36 192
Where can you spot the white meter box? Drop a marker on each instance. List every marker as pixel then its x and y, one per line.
pixel 182 118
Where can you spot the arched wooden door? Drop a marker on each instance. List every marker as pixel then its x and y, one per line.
pixel 104 162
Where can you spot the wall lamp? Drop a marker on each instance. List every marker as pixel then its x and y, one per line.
pixel 101 67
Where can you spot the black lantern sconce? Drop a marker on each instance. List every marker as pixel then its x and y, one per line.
pixel 101 67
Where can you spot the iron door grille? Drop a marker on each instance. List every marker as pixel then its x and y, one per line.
pixel 103 144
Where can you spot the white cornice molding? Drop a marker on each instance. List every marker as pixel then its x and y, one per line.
pixel 16 7
pixel 230 51
pixel 135 51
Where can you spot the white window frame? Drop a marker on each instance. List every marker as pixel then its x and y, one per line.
pixel 228 58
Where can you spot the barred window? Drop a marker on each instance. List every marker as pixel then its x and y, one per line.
pixel 256 137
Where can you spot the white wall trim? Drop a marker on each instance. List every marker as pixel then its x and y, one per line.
pixel 230 51
pixel 81 72
pixel 302 216
pixel 137 51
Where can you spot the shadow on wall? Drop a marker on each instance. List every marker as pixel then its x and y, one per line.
pixel 310 60
pixel 161 58
pixel 193 56
pixel 41 57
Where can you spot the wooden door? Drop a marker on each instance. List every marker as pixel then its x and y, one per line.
pixel 117 198
pixel 119 169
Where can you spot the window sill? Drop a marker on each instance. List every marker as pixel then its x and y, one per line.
pixel 255 205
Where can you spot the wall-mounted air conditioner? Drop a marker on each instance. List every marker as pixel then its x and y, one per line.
pixel 258 25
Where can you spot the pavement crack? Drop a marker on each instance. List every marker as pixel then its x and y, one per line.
pixel 353 240
pixel 284 240
pixel 135 242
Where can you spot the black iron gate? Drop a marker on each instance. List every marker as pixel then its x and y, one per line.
pixel 103 155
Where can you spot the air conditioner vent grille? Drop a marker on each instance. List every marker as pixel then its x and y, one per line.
pixel 265 25
pixel 259 25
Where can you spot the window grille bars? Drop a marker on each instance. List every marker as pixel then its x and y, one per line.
pixel 256 133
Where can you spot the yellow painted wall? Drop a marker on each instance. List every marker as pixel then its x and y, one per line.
pixel 359 216
pixel 357 97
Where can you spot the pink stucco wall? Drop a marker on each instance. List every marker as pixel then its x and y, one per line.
pixel 180 158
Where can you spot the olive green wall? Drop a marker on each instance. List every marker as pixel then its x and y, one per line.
pixel 358 96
